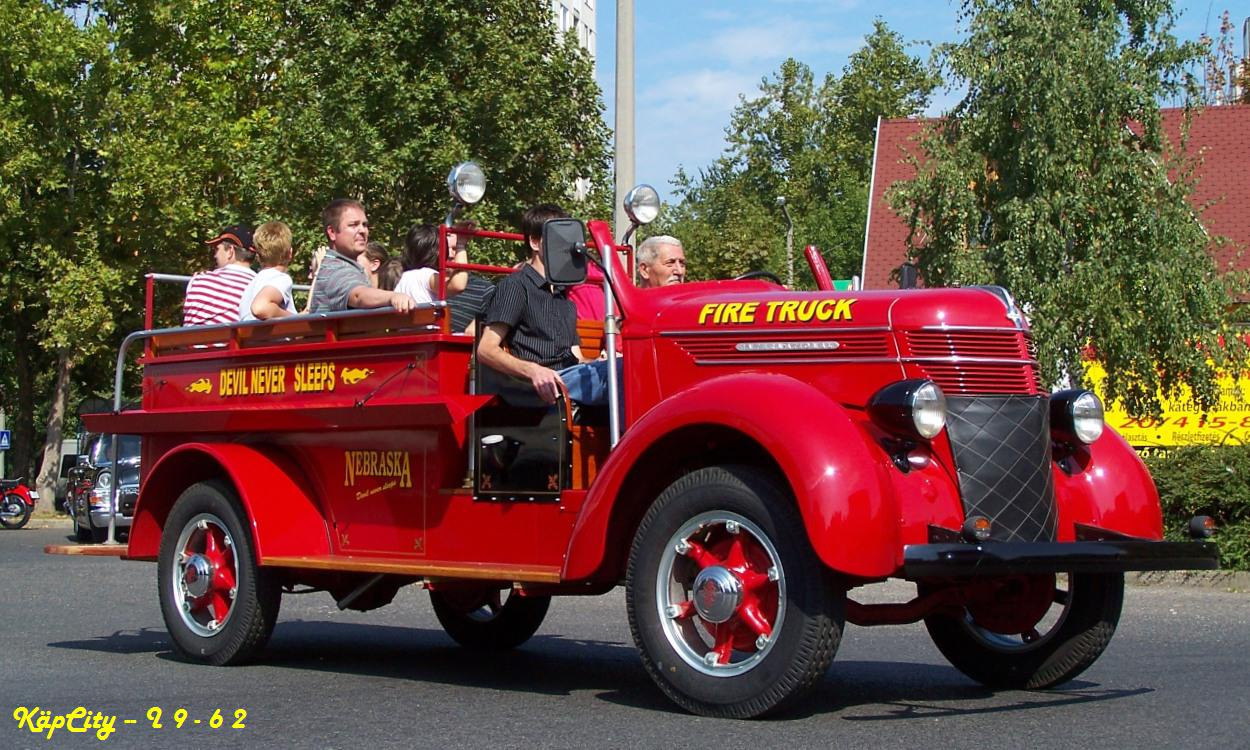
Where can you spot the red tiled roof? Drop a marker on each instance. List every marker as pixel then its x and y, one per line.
pixel 1220 136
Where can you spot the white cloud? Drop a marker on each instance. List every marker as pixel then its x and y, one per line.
pixel 681 120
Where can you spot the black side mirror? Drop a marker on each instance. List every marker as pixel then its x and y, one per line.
pixel 564 251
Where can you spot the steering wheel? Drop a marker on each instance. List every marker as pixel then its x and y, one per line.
pixel 760 275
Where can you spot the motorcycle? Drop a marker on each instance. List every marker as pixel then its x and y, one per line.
pixel 19 502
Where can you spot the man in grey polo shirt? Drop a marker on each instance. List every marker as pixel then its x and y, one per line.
pixel 341 282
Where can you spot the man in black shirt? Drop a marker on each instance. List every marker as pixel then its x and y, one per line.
pixel 539 324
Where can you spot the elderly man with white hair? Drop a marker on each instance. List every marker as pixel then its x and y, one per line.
pixel 661 261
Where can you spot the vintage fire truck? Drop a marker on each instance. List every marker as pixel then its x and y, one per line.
pixel 776 450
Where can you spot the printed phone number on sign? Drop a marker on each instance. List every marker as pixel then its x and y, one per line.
pixel 82 720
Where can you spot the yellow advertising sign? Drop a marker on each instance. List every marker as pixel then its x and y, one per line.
pixel 1182 421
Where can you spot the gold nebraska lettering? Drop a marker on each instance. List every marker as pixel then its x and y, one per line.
pixel 395 465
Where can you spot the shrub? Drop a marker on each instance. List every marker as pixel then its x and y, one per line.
pixel 1209 480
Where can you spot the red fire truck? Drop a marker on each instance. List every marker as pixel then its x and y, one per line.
pixel 776 451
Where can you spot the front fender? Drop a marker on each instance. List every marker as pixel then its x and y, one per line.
pixel 285 519
pixel 841 488
pixel 1107 485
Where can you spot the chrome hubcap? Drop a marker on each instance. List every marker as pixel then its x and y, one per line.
pixel 717 594
pixel 196 575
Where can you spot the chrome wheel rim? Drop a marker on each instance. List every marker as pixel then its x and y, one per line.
pixel 205 575
pixel 720 593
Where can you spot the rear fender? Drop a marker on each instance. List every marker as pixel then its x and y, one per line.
pixel 285 519
pixel 840 487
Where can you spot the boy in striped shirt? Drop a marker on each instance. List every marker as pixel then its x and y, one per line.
pixel 213 297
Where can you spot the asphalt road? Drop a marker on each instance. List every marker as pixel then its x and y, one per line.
pixel 88 632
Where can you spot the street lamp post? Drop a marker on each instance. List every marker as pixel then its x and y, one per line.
pixel 623 165
pixel 781 201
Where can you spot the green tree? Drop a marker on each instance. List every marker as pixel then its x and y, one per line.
pixel 880 80
pixel 382 100
pixel 51 73
pixel 1051 178
pixel 811 144
pixel 134 127
pixel 1225 78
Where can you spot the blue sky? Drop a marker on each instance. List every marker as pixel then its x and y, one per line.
pixel 694 58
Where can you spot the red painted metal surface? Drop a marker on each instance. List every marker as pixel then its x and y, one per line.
pixel 839 478
pixel 820 272
pixel 1109 487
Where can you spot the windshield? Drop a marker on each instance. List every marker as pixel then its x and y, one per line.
pixel 103 445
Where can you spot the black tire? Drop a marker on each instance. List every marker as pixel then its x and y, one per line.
pixel 80 534
pixel 88 534
pixel 1062 645
pixel 19 510
pixel 727 670
pixel 208 524
pixel 489 620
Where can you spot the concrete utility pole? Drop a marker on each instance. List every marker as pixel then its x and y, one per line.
pixel 624 159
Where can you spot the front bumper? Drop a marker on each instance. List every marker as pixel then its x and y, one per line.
pixel 99 508
pixel 990 559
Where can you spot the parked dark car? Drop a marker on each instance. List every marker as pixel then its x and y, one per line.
pixel 90 483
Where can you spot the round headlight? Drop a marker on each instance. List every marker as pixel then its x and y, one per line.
pixel 104 480
pixel 1076 416
pixel 910 409
pixel 928 410
pixel 1087 420
pixel 467 183
pixel 642 204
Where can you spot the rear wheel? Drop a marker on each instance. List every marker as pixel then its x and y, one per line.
pixel 219 605
pixel 88 533
pixel 732 612
pixel 1033 631
pixel 491 619
pixel 14 512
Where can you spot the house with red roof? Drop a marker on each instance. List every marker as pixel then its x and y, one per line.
pixel 1219 137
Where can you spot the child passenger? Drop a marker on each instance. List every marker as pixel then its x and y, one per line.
pixel 420 279
pixel 269 294
pixel 372 259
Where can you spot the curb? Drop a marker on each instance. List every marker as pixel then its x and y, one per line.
pixel 1229 580
pixel 49 523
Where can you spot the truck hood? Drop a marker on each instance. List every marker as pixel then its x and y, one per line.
pixel 712 306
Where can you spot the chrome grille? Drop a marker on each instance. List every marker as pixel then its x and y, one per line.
pixel 975 361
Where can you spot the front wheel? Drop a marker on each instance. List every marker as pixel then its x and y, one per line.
pixel 218 604
pixel 489 619
pixel 14 512
pixel 1031 632
pixel 732 611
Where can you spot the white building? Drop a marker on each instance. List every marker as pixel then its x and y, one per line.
pixel 577 17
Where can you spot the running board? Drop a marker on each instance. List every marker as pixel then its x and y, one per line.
pixel 87 550
pixel 418 568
